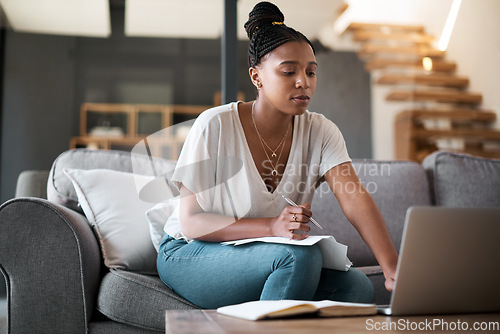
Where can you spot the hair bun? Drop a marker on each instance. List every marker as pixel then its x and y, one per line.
pixel 264 13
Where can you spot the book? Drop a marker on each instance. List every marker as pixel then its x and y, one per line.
pixel 269 309
pixel 334 253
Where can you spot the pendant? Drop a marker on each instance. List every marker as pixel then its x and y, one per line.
pixel 274 172
pixel 273 155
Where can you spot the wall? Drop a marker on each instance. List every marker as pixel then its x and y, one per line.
pixel 122 69
pixel 430 13
pixel 47 78
pixel 37 105
pixel 343 95
pixel 475 46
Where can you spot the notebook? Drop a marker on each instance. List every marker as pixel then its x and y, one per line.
pixel 449 262
pixel 269 309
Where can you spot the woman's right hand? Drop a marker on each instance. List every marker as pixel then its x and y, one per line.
pixel 290 220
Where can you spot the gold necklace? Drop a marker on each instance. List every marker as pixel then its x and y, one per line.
pixel 262 138
pixel 274 172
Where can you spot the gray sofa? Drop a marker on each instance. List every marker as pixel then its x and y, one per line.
pixel 53 265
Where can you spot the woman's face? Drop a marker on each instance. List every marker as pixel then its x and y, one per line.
pixel 287 77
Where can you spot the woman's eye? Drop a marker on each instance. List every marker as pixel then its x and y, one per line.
pixel 288 73
pixel 311 74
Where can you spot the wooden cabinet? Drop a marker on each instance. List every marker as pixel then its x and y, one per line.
pixel 419 132
pixel 122 126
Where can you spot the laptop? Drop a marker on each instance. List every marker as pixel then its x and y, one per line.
pixel 449 262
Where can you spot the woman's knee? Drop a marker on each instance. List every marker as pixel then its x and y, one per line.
pixel 306 257
pixel 362 287
pixel 294 274
pixel 347 286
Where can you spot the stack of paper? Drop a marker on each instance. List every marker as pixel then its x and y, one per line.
pixel 334 253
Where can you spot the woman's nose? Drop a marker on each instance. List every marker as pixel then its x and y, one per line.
pixel 302 82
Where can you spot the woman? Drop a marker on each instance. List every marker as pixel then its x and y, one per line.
pixel 237 162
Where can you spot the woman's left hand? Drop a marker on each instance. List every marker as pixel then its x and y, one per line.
pixel 390 279
pixel 389 283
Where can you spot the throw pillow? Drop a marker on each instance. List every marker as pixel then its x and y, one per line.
pixel 111 203
pixel 462 180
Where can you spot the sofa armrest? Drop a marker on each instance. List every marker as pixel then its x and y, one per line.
pixel 51 262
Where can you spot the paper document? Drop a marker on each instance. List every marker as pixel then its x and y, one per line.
pixel 334 253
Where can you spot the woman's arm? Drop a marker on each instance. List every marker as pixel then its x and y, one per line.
pixel 198 224
pixel 361 210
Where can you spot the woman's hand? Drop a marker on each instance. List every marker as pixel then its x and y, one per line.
pixel 389 282
pixel 290 220
pixel 363 213
pixel 390 278
pixel 200 225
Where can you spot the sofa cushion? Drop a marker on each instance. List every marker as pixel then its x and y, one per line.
pixel 141 300
pixel 462 180
pixel 60 189
pixel 138 300
pixel 394 185
pixel 112 327
pixel 377 278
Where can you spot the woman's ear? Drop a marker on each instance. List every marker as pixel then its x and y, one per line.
pixel 255 77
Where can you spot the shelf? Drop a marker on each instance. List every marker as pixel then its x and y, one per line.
pixel 425 79
pixel 412 37
pixel 168 148
pixel 482 153
pixel 122 126
pixel 437 65
pixel 106 117
pixel 414 141
pixel 104 143
pixel 385 27
pixel 459 115
pixel 421 51
pixel 482 134
pixel 150 118
pixel 436 96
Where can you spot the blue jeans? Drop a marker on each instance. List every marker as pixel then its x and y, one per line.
pixel 211 275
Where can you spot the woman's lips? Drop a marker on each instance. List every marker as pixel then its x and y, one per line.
pixel 302 99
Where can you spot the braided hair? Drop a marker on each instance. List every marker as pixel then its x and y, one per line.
pixel 266 30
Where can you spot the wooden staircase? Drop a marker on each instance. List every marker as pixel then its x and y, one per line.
pixel 442 112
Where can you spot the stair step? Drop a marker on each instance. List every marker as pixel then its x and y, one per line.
pixel 418 50
pixel 385 27
pixel 471 115
pixel 425 79
pixel 436 96
pixel 437 65
pixel 412 37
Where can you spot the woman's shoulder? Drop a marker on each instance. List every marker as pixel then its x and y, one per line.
pixel 213 119
pixel 216 113
pixel 316 120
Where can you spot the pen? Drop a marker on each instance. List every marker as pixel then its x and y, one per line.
pixel 289 201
